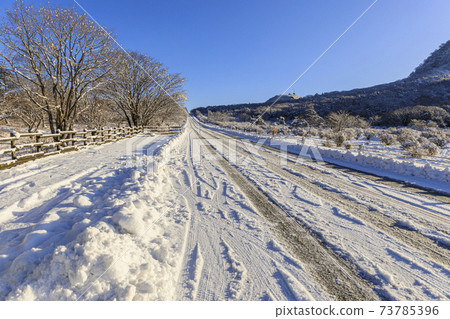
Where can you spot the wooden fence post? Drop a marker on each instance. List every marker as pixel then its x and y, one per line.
pixel 58 140
pixel 85 137
pixel 13 147
pixel 38 140
pixel 94 136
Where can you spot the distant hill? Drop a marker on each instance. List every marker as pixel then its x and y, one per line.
pixel 428 85
pixel 291 97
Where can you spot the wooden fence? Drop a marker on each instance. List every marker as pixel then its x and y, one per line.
pixel 162 130
pixel 29 146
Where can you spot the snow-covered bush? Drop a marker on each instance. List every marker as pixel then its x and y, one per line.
pixel 347 145
pixel 410 145
pixel 387 139
pixel 408 137
pixel 431 132
pixel 312 131
pixel 340 138
pixel 349 133
pixel 431 149
pixel 298 132
pixel 326 134
pixel 417 146
pixel 416 115
pixel 369 133
pixel 416 151
pixel 438 141
pixel 422 140
pixel 327 143
pixel 422 125
pixel 260 130
pixel 436 136
pixel 321 134
pixel 359 133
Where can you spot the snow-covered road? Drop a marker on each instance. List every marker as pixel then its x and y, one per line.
pixel 221 219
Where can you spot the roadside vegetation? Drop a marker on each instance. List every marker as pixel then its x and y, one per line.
pixel 341 129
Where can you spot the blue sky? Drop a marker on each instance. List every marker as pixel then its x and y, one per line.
pixel 247 51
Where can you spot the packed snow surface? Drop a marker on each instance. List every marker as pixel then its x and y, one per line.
pixel 165 221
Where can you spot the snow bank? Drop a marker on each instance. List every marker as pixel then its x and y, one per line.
pixel 117 237
pixel 162 157
pixel 402 167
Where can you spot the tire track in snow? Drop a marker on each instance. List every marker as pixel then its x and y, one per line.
pixel 193 273
pixel 337 184
pixel 246 237
pixel 283 265
pixel 238 273
pixel 198 243
pixel 385 223
pixel 293 287
pixel 337 276
pixel 384 201
pixel 307 170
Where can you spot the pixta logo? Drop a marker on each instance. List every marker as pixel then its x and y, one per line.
pixel 260 152
pixel 141 153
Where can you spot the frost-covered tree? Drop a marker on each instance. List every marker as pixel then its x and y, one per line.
pixel 339 120
pixel 343 119
pixel 55 56
pixel 141 88
pixel 97 113
pixel 3 105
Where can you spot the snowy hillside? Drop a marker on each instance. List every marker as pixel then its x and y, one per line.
pixel 436 65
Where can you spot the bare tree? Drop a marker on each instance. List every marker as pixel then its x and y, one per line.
pixel 165 109
pixel 164 101
pixel 5 110
pixel 15 104
pixel 5 88
pixel 30 114
pixel 142 89
pixel 56 56
pixel 96 111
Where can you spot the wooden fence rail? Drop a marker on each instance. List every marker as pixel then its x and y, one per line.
pixel 163 130
pixel 29 146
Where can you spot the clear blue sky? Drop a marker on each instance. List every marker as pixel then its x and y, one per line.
pixel 247 51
